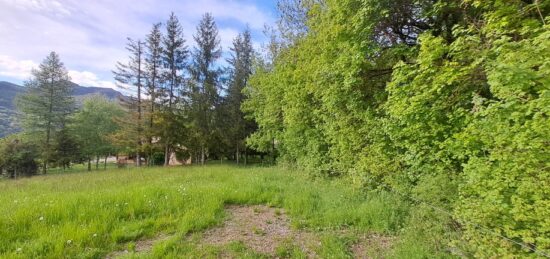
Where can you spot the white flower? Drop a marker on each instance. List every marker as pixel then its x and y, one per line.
pixel 95 235
pixel 19 249
pixel 41 218
pixel 69 242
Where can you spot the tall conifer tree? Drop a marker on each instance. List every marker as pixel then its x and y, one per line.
pixel 174 57
pixel 240 70
pixel 153 71
pixel 46 104
pixel 131 76
pixel 205 96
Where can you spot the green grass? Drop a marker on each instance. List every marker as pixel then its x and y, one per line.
pixel 89 215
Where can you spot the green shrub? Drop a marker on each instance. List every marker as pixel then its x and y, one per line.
pixel 17 158
pixel 506 185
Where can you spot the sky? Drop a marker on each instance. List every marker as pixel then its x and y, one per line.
pixel 90 35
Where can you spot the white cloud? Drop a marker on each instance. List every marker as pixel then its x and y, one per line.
pixel 19 69
pixel 48 6
pixel 226 37
pixel 90 36
pixel 87 78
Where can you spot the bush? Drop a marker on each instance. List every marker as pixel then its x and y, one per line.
pixel 506 184
pixel 18 158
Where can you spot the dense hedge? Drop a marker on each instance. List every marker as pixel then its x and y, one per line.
pixel 457 117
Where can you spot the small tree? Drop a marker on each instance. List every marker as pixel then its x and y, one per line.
pixel 93 125
pixel 66 149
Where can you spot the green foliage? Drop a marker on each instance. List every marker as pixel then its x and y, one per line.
pixel 445 103
pixel 506 178
pixel 17 157
pixel 93 125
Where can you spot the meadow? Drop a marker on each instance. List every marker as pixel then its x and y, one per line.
pixel 95 214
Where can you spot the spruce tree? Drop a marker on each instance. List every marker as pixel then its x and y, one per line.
pixel 205 76
pixel 240 70
pixel 153 71
pixel 130 76
pixel 174 57
pixel 46 104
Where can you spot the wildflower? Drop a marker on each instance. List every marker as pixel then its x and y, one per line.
pixel 95 235
pixel 69 242
pixel 41 218
pixel 19 249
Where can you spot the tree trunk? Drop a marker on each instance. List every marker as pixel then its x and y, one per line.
pixel 138 156
pixel 44 166
pixel 237 154
pixel 202 155
pixel 97 162
pixel 273 151
pixel 105 163
pixel 138 159
pixel 167 154
pixel 89 164
pixel 245 156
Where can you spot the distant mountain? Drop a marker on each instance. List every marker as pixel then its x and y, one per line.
pixel 8 92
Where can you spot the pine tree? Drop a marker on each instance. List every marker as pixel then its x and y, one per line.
pixel 131 76
pixel 174 55
pixel 240 70
pixel 46 104
pixel 205 96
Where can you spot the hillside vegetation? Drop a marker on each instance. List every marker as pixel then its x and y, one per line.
pixel 10 121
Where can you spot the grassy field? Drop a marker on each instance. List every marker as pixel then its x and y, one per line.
pixel 91 215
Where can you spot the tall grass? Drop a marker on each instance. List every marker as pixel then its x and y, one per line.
pixel 89 215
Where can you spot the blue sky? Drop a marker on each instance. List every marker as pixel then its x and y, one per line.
pixel 90 35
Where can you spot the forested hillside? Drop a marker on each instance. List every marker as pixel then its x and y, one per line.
pixel 8 112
